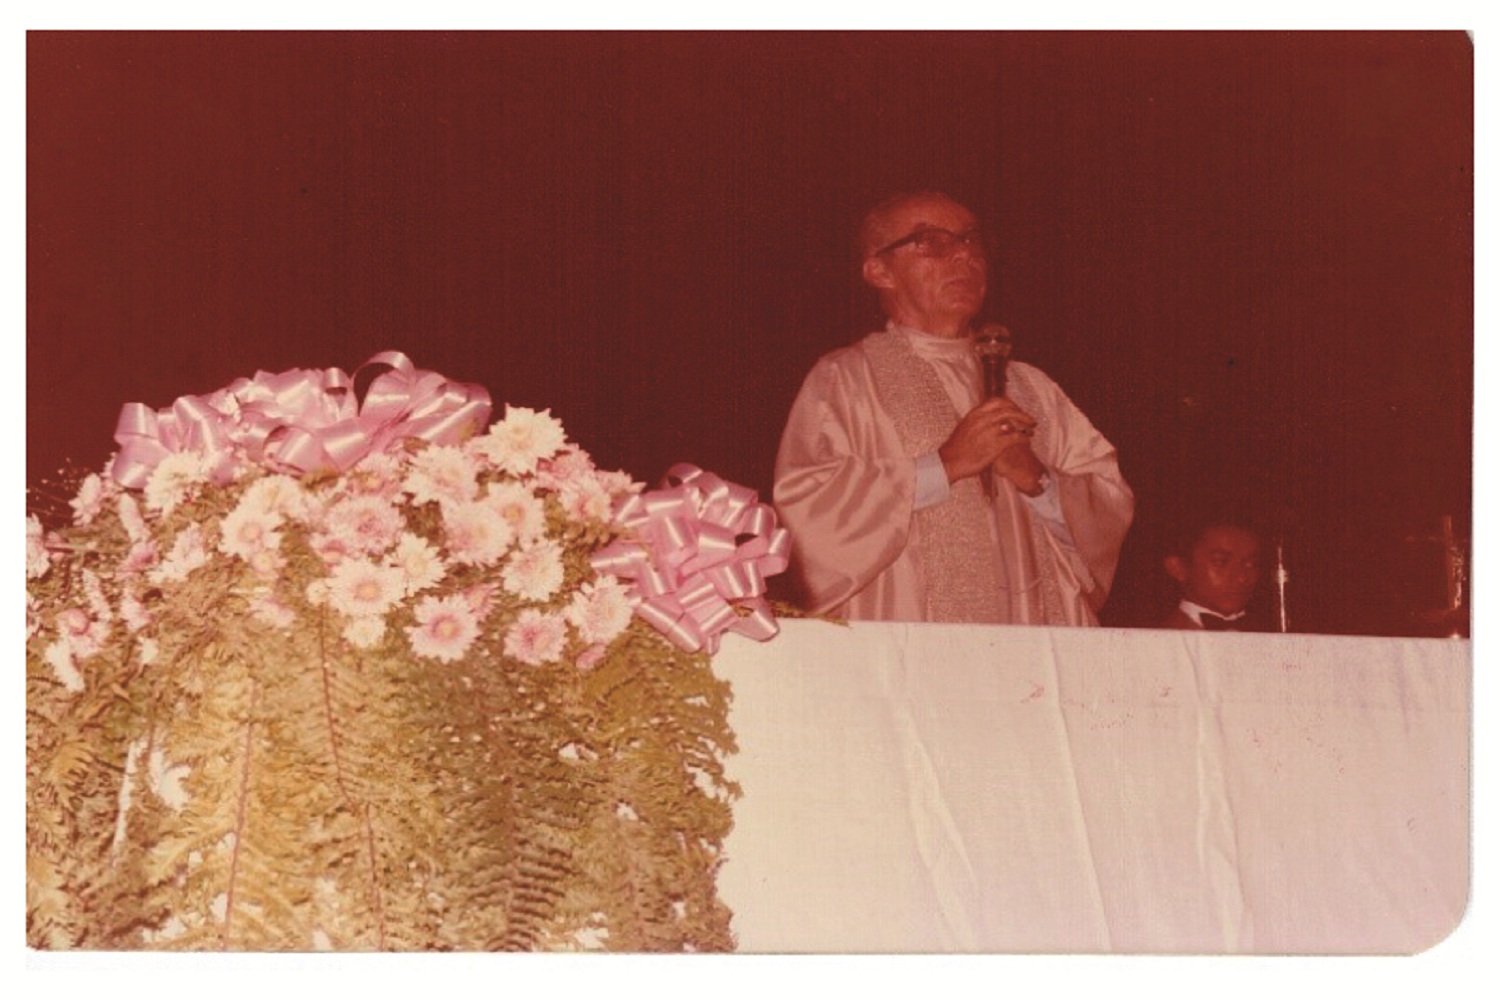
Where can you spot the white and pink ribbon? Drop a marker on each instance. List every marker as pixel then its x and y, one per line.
pixel 300 421
pixel 699 555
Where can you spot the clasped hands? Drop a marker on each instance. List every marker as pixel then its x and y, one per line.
pixel 996 435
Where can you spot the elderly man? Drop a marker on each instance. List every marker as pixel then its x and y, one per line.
pixel 912 498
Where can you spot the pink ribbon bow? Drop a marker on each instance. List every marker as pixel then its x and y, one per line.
pixel 699 557
pixel 299 421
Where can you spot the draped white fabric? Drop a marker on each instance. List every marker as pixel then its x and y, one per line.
pixel 938 788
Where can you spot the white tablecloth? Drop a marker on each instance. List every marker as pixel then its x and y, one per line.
pixel 927 788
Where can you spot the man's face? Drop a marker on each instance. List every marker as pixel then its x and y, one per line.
pixel 1222 571
pixel 936 294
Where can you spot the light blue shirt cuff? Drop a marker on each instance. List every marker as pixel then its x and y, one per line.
pixel 932 480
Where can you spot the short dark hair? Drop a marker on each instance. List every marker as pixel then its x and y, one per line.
pixel 1185 538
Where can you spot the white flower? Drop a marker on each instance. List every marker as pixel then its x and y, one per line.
pixel 477 534
pixel 536 638
pixel 38 559
pixel 442 473
pixel 419 562
pixel 521 508
pixel 89 500
pixel 166 780
pixel 586 500
pixel 174 479
pixel 446 627
pixel 188 553
pixel 365 632
pixel 130 517
pixel 93 592
pixel 525 437
pixel 359 588
pixel 535 572
pixel 600 610
pixel 278 494
pixel 148 651
pixel 59 657
pixel 249 530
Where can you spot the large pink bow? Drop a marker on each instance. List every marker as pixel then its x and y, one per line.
pixel 299 421
pixel 699 557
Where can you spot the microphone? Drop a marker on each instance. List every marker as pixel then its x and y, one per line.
pixel 992 344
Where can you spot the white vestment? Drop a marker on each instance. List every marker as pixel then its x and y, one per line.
pixel 846 488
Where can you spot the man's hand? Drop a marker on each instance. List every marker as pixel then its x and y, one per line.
pixel 984 436
pixel 1019 464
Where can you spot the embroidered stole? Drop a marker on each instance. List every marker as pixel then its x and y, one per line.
pixel 956 547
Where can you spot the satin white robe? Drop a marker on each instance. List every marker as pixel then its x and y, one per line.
pixel 845 488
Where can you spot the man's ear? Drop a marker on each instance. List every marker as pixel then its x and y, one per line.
pixel 1176 568
pixel 878 273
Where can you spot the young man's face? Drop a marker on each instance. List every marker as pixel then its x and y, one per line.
pixel 1222 571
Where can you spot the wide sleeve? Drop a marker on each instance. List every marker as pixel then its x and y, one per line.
pixel 844 486
pixel 1097 504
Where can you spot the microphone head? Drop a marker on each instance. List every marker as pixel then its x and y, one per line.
pixel 992 341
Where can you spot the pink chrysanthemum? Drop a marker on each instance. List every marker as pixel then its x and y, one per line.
pixel 188 553
pixel 368 524
pixel 442 473
pixel 249 530
pixel 131 518
pixel 525 437
pixel 419 561
pixel 360 588
pixel 89 500
pixel 536 638
pixel 601 610
pixel 535 572
pixel 38 560
pixel 278 494
pixel 174 479
pixel 84 635
pixel 446 627
pixel 477 534
pixel 520 507
pixel 365 632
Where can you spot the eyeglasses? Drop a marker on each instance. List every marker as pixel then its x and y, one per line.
pixel 935 242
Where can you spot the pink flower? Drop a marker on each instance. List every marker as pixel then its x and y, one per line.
pixel 83 635
pixel 175 478
pixel 249 530
pixel 520 507
pixel 364 524
pixel 419 562
pixel 589 658
pixel 535 572
pixel 446 627
pixel 38 559
pixel 365 632
pixel 536 638
pixel 267 608
pixel 477 534
pixel 360 588
pixel 89 500
pixel 141 557
pixel 188 553
pixel 444 474
pixel 601 610
pixel 517 443
pixel 130 517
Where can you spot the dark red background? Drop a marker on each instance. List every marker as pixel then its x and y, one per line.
pixel 1248 256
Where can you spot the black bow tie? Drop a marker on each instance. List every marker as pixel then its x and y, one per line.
pixel 1218 623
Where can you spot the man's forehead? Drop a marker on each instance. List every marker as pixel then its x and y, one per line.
pixel 928 211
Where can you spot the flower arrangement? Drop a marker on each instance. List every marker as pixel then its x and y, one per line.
pixel 307 672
